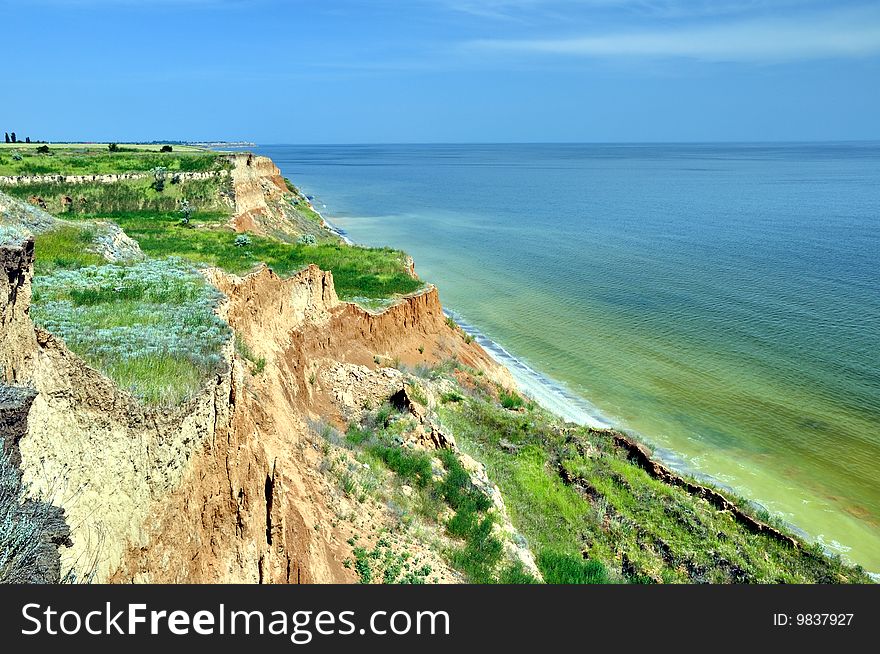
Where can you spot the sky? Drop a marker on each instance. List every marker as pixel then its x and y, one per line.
pixel 434 71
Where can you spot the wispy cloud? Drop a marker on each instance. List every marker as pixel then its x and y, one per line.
pixel 821 35
pixel 566 9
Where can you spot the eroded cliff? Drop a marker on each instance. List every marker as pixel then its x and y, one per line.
pixel 227 487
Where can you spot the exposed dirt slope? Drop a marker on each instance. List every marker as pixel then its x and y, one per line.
pixel 254 507
pixel 264 204
pixel 224 488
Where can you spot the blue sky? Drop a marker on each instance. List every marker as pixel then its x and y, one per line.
pixel 370 71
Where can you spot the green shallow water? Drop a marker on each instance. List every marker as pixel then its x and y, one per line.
pixel 720 300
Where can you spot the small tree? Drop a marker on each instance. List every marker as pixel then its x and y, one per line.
pixel 166 148
pixel 113 147
pixel 43 149
pixel 159 178
pixel 186 211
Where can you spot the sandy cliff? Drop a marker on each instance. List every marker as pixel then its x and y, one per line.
pixel 224 488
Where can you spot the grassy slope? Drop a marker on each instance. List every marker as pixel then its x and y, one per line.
pixel 638 528
pixel 441 496
pixel 357 272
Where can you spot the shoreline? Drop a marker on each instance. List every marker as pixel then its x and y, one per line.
pixel 556 398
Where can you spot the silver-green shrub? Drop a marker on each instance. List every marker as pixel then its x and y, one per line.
pixel 138 323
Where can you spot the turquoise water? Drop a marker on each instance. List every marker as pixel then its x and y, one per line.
pixel 723 301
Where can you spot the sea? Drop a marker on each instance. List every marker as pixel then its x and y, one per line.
pixel 721 301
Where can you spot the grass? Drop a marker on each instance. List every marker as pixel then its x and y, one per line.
pixel 149 326
pixel 70 161
pixel 412 466
pixel 479 552
pixel 511 401
pixel 383 562
pixel 123 196
pixel 357 272
pixel 559 568
pixel 66 247
pixel 593 516
pixel 258 364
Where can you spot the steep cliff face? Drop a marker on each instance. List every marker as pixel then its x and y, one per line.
pixel 264 204
pixel 17 340
pixel 257 182
pixel 224 488
pixel 254 507
pixel 227 487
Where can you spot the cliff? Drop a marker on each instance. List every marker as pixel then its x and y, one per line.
pixel 225 488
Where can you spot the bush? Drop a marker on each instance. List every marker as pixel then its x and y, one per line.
pixel 242 241
pixel 306 239
pixel 186 211
pixel 113 147
pixel 166 148
pixel 28 531
pixel 12 235
pixel 159 173
pixel 511 401
pixel 43 149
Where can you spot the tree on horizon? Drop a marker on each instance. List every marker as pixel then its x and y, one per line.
pixel 13 138
pixel 7 137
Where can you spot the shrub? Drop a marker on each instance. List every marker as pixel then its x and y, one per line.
pixel 12 235
pixel 306 239
pixel 113 147
pixel 511 401
pixel 159 173
pixel 150 326
pixel 186 211
pixel 166 148
pixel 27 529
pixel 242 241
pixel 43 149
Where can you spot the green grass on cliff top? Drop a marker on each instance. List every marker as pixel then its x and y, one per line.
pixel 91 160
pixel 357 272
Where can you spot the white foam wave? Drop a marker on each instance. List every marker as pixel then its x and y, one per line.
pixel 547 392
